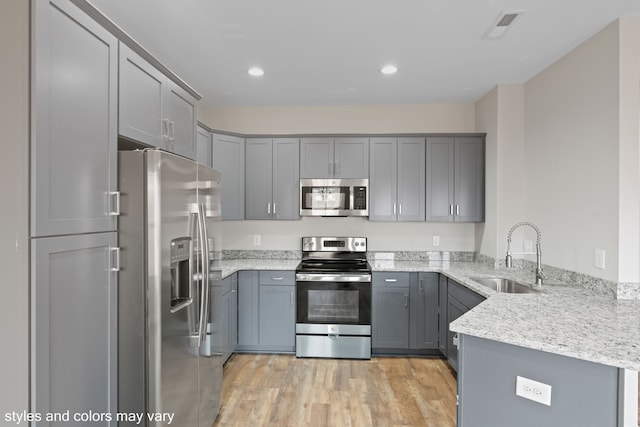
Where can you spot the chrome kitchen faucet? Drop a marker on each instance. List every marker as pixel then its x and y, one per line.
pixel 508 260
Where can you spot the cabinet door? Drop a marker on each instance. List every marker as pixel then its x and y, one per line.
pixel 74 329
pixel 233 314
pixel 316 158
pixel 469 180
pixel 443 324
pixel 181 113
pixel 259 184
pixel 228 158
pixel 203 147
pixel 219 317
pixel 455 309
pixel 142 93
pixel 411 179
pixel 383 179
pixel 390 317
pixel 74 148
pixel 286 178
pixel 248 293
pixel 351 158
pixel 426 304
pixel 277 317
pixel 440 179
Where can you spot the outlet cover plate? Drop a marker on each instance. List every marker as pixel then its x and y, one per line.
pixel 533 390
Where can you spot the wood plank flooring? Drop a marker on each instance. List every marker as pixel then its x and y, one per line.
pixel 280 390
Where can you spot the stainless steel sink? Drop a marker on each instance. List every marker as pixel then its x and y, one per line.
pixel 507 286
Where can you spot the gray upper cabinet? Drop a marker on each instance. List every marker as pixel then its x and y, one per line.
pixel 228 158
pixel 397 179
pixel 272 178
pixel 334 157
pixel 74 145
pixel 204 147
pixel 455 179
pixel 153 109
pixel 74 343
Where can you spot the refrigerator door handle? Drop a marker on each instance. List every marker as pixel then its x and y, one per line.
pixel 195 274
pixel 204 283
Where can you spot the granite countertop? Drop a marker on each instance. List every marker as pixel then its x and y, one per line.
pixel 563 318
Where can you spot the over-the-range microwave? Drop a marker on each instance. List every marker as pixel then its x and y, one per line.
pixel 334 197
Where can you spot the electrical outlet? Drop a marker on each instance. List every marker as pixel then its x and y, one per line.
pixel 533 390
pixel 436 240
pixel 527 246
pixel 257 240
pixel 600 259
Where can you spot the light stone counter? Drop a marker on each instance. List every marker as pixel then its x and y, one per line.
pixel 566 319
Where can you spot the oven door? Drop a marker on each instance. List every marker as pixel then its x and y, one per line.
pixel 333 299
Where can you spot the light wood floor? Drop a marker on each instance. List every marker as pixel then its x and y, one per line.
pixel 280 390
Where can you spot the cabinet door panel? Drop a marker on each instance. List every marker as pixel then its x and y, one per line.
pixel 383 179
pixel 286 178
pixel 443 323
pixel 142 92
pixel 427 315
pixel 75 142
pixel 351 158
pixel 469 181
pixel 74 335
pixel 181 111
pixel 411 179
pixel 204 147
pixel 258 178
pixel 248 293
pixel 316 158
pixel 390 317
pixel 228 158
pixel 440 179
pixel 277 319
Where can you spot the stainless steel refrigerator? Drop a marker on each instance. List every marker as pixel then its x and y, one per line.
pixel 169 237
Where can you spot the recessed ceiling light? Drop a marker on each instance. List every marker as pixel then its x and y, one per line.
pixel 255 71
pixel 389 69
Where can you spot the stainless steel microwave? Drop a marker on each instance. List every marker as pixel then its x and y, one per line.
pixel 334 197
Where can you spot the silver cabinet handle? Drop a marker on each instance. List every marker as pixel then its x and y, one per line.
pixel 406 300
pixel 165 129
pixel 114 259
pixel 274 209
pixel 269 208
pixel 391 280
pixel 114 203
pixel 457 209
pixel 451 210
pixel 277 278
pixel 400 208
pixel 421 286
pixel 394 208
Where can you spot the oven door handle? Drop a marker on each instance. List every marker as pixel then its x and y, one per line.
pixel 344 277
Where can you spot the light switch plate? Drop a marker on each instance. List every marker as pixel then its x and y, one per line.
pixel 257 240
pixel 600 259
pixel 533 390
pixel 436 240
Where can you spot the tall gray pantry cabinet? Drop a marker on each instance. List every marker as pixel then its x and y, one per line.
pixel 74 205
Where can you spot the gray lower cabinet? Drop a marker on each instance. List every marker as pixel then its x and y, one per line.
pixel 74 329
pixel 272 178
pixel 424 312
pixel 390 311
pixel 266 311
pixel 443 324
pixel 153 109
pixel 223 332
pixel 397 179
pixel 455 179
pixel 74 148
pixel 228 158
pixel 582 393
pixel 204 147
pixel 327 157
pixel 459 301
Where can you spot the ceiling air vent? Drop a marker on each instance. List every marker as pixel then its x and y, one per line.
pixel 502 23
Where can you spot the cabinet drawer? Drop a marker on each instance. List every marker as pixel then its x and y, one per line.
pixel 277 277
pixel 467 297
pixel 390 279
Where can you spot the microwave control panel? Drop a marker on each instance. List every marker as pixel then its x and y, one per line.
pixel 359 198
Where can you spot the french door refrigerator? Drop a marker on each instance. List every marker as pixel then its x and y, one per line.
pixel 169 237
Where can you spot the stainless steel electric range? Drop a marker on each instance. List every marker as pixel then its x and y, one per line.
pixel 333 298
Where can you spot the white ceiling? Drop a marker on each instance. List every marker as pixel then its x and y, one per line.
pixel 329 52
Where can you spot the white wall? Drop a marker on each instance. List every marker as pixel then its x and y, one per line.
pixel 14 170
pixel 572 155
pixel 335 120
